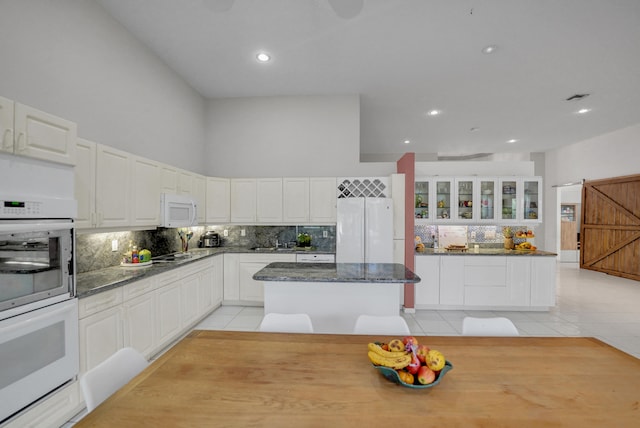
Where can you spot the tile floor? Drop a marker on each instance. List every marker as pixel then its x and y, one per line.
pixel 588 304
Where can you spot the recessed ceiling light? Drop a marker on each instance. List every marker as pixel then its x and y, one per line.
pixel 511 141
pixel 263 57
pixel 434 112
pixel 474 129
pixel 489 49
pixel 583 110
pixel 407 141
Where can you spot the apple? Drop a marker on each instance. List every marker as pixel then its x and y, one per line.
pixel 414 365
pixel 410 340
pixel 426 375
pixel 422 352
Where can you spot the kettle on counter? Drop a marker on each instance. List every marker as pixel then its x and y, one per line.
pixel 209 239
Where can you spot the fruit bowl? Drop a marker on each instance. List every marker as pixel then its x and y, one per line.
pixel 392 375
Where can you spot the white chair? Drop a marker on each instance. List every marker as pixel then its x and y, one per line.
pixel 498 326
pixel 286 323
pixel 371 324
pixel 110 375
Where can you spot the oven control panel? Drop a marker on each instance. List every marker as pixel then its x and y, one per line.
pixel 17 208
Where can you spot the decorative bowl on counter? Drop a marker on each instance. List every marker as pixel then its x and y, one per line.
pixel 392 375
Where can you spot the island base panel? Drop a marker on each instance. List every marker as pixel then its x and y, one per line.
pixel 333 307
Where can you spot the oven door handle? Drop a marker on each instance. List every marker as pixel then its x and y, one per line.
pixel 33 227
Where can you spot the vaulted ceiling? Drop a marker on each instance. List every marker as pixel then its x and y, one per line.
pixel 406 58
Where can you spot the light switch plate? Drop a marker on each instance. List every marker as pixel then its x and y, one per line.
pixel 243 232
pixel 114 245
pixel 225 233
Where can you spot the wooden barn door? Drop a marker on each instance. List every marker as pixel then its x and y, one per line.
pixel 610 230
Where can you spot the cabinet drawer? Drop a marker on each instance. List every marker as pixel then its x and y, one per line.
pixel 138 288
pixel 99 302
pixel 485 261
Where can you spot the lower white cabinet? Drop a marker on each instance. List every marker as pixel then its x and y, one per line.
pixel 452 280
pixel 100 327
pixel 485 282
pixel 427 291
pixel 239 285
pixel 148 314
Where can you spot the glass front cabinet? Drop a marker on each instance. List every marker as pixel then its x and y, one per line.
pixel 487 189
pixel 477 200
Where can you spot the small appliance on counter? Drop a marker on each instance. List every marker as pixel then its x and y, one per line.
pixel 209 239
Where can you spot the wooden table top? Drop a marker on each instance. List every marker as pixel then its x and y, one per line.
pixel 244 379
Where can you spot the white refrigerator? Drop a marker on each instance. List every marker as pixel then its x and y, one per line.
pixel 364 230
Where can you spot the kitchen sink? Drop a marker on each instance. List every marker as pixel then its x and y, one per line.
pixel 269 249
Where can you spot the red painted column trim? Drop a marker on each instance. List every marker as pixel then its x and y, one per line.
pixel 406 165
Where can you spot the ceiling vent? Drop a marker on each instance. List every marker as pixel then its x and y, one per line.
pixel 576 97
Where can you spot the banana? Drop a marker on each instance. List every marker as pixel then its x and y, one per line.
pixel 395 362
pixel 373 347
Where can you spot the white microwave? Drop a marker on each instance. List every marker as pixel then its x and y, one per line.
pixel 177 211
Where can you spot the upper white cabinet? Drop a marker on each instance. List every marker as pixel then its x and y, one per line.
pixel 296 200
pixel 199 192
pixel 218 200
pixel 168 179
pixel 269 200
pixel 115 189
pixel 185 183
pixel 322 199
pixel 145 192
pixel 6 125
pixel 521 199
pixel 474 200
pixel 26 131
pixel 85 183
pixel 243 200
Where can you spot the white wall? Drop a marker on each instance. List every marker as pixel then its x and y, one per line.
pixel 71 59
pixel 287 136
pixel 610 155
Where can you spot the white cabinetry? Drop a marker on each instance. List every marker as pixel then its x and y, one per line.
pixel 145 192
pixel 6 125
pixel 521 200
pixel 26 131
pixel 150 313
pixel 113 187
pixel 496 281
pixel 140 316
pixel 218 200
pixel 427 291
pixel 200 195
pixel 239 285
pixel 452 280
pixel 269 200
pixel 473 200
pixel 85 184
pixel 185 182
pixel 100 327
pixel 296 200
pixel 168 316
pixel 485 282
pixel 243 200
pixel 168 179
pixel 543 281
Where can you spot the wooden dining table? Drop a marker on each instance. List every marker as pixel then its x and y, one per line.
pixel 253 379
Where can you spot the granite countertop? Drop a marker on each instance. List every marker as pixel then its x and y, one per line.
pixel 337 272
pixel 98 281
pixel 483 252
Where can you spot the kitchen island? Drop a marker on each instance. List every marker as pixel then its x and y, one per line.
pixel 334 294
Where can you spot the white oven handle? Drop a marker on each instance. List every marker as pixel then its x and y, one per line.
pixel 33 227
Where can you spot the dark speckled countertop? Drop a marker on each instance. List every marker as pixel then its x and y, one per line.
pixel 392 273
pixel 483 252
pixel 89 283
